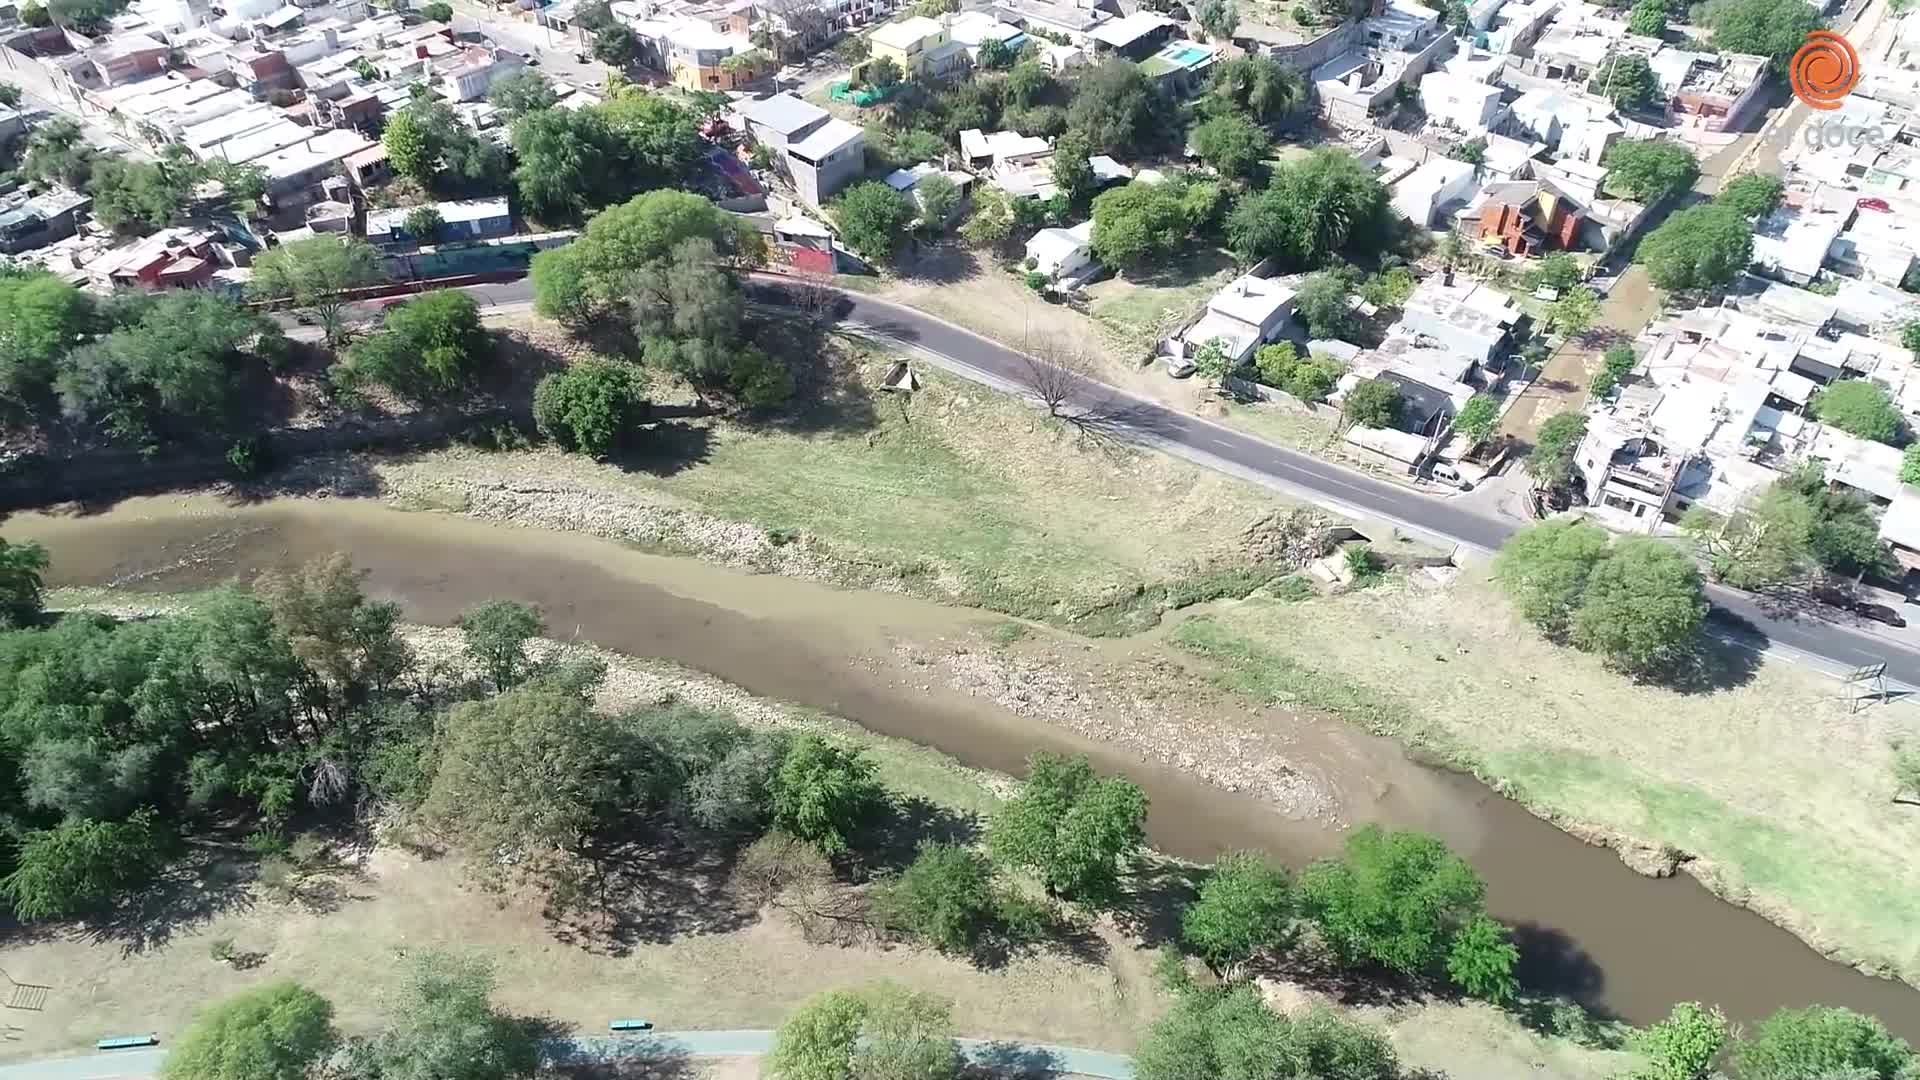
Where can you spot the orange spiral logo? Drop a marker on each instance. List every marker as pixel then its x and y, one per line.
pixel 1824 70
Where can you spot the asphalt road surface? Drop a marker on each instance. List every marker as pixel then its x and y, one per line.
pixel 1805 632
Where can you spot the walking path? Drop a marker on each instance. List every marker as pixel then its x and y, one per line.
pixel 1015 1058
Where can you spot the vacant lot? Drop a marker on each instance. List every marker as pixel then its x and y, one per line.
pixel 1782 798
pixel 962 494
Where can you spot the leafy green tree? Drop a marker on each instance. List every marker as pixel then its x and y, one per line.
pixel 616 46
pixel 1312 209
pixel 992 220
pixel 1259 86
pixel 1217 17
pixel 560 287
pixel 646 231
pixel 10 95
pixel 1684 1045
pixel 1112 107
pixel 1245 907
pixel 996 55
pixel 1027 82
pixel 938 197
pixel 1910 337
pixel 1373 403
pixel 1858 407
pixel 431 346
pixel 1769 28
pixel 313 274
pixel 1072 169
pixel 1751 195
pixel 564 160
pixel 349 644
pixel 873 219
pixel 1473 152
pixel 1649 18
pixel 591 406
pixel 1793 1044
pixel 1211 361
pixel 1643 607
pixel 1481 961
pixel 524 91
pixel 41 317
pixel 1574 313
pixel 906 1035
pixel 423 224
pixel 136 197
pixel 1845 538
pixel 824 793
pixel 80 864
pixel 1551 463
pixel 278 1031
pixel 1701 247
pixel 179 369
pixel 1556 270
pixel 1395 899
pixel 410 147
pixel 1071 827
pixel 657 140
pixel 1650 170
pixel 946 897
pixel 437 11
pixel 818 1040
pixel 532 771
pixel 1231 143
pixel 1231 1034
pixel 1910 464
pixel 496 634
pixel 444 1027
pixel 59 152
pixel 1628 81
pixel 1321 305
pixel 1477 419
pixel 1764 542
pixel 1138 223
pixel 20 585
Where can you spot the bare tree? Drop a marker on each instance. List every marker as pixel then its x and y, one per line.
pixel 1064 377
pixel 813 295
pixel 1055 371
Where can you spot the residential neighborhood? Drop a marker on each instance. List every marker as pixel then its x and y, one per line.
pixel 959 539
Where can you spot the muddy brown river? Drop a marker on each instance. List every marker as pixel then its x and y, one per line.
pixel 1587 925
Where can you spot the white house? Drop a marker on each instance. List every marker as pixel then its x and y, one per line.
pixel 1435 184
pixel 1459 102
pixel 1244 315
pixel 1059 253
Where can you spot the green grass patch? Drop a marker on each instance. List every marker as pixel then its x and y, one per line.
pixel 1294 588
pixel 1851 900
pixel 1007 633
pixel 1275 679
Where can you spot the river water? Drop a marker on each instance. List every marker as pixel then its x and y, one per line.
pixel 1586 923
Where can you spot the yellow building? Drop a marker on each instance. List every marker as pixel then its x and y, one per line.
pixel 921 46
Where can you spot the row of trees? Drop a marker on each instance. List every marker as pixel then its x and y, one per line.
pixel 138 367
pixel 1792 1044
pixel 1396 901
pixel 1797 523
pixel 1708 246
pixel 442 1024
pixel 134 197
pixel 1636 601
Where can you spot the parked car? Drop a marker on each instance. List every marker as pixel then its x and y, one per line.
pixel 1866 609
pixel 1870 203
pixel 1179 366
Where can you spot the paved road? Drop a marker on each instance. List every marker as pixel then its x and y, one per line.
pixel 1805 634
pixel 1023 1059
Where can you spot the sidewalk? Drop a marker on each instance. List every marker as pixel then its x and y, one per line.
pixel 1018 1058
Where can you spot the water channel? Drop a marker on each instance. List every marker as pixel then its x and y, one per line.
pixel 1587 924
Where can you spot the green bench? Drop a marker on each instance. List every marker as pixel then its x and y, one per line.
pixel 127 1042
pixel 629 1025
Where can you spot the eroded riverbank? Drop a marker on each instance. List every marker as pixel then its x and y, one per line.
pixel 1588 924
